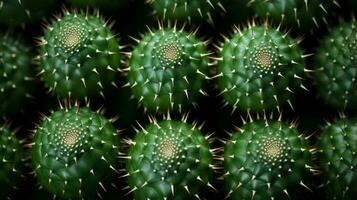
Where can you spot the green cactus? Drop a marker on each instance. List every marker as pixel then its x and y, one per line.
pixel 338 161
pixel 22 12
pixel 192 10
pixel 167 69
pixel 169 160
pixel 304 14
pixel 75 153
pixel 260 68
pixel 17 73
pixel 11 163
pixel 79 55
pixel 266 160
pixel 104 5
pixel 335 64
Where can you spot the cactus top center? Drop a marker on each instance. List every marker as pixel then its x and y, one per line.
pixel 169 53
pixel 264 58
pixel 272 150
pixel 71 36
pixel 168 148
pixel 70 138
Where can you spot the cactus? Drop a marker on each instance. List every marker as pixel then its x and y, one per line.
pixel 79 55
pixel 167 69
pixel 11 163
pixel 105 5
pixel 169 160
pixel 260 68
pixel 22 12
pixel 335 64
pixel 304 14
pixel 265 160
pixel 17 72
pixel 75 153
pixel 338 162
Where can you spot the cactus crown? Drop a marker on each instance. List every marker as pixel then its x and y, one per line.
pixel 72 35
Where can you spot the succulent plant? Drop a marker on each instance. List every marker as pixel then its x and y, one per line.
pixel 11 163
pixel 260 68
pixel 17 73
pixel 168 69
pixel 338 161
pixel 169 160
pixel 335 64
pixel 104 5
pixel 75 153
pixel 266 160
pixel 79 55
pixel 22 12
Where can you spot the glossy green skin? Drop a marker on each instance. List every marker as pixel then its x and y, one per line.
pixel 91 64
pixel 75 172
pixel 335 64
pixel 337 159
pixel 184 9
pixel 11 163
pixel 13 13
pixel 17 72
pixel 244 166
pixel 105 5
pixel 302 18
pixel 249 86
pixel 149 70
pixel 146 170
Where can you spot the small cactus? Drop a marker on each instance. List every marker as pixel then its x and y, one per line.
pixel 79 55
pixel 75 153
pixel 167 69
pixel 169 160
pixel 260 68
pixel 265 160
pixel 337 159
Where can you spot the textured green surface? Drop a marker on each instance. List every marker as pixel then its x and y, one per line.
pixel 167 69
pixel 169 159
pixel 75 153
pixel 338 161
pixel 335 63
pixel 79 56
pixel 11 163
pixel 260 68
pixel 16 74
pixel 265 160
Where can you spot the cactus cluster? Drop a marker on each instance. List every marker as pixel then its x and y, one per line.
pixel 168 69
pixel 79 55
pixel 75 153
pixel 169 160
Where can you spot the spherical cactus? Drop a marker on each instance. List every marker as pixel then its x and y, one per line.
pixel 167 69
pixel 169 160
pixel 104 5
pixel 11 163
pixel 75 153
pixel 338 161
pixel 305 15
pixel 22 12
pixel 260 68
pixel 17 72
pixel 335 64
pixel 79 55
pixel 265 160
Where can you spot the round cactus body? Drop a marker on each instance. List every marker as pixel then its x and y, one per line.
pixel 169 160
pixel 335 63
pixel 17 72
pixel 75 153
pixel 338 161
pixel 79 56
pixel 167 70
pixel 21 12
pixel 259 69
pixel 265 160
pixel 11 163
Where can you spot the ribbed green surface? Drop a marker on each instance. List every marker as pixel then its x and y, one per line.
pixel 260 69
pixel 338 161
pixel 79 56
pixel 265 160
pixel 167 70
pixel 169 159
pixel 75 153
